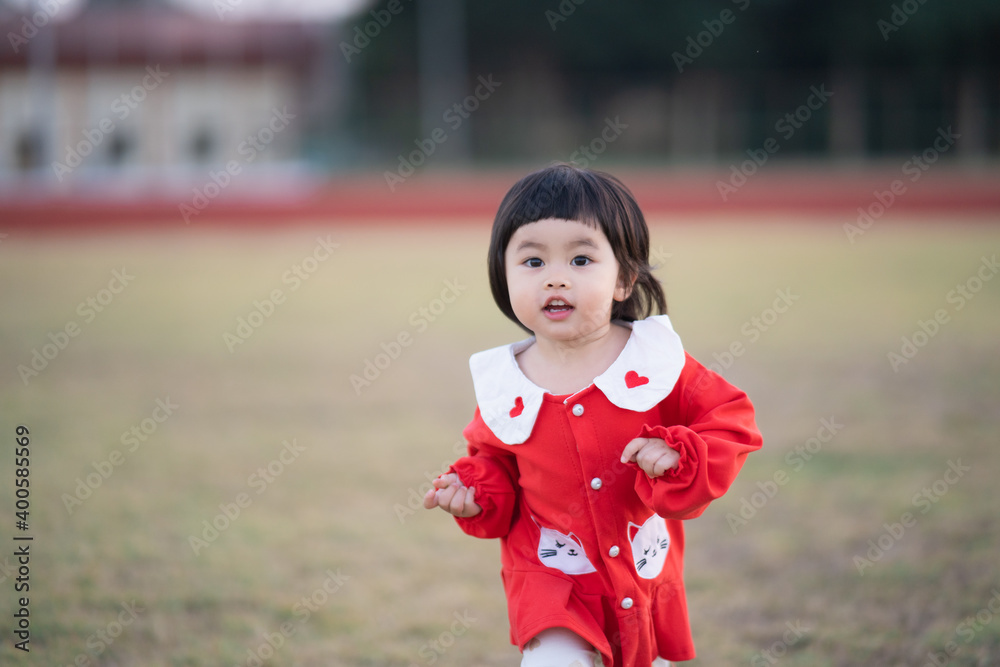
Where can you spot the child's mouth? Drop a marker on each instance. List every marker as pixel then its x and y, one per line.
pixel 557 309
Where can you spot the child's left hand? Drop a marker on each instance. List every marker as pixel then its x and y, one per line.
pixel 653 455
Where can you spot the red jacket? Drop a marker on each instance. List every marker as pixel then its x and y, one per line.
pixel 589 543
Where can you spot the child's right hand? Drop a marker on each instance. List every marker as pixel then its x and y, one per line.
pixel 452 496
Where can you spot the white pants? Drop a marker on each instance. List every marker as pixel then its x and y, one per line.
pixel 560 647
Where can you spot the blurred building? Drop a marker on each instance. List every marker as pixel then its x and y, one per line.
pixel 162 92
pixel 154 92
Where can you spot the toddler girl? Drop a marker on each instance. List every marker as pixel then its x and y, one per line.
pixel 595 437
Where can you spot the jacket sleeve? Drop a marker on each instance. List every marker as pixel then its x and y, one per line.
pixel 492 470
pixel 716 434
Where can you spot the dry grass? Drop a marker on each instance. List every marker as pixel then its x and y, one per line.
pixel 340 505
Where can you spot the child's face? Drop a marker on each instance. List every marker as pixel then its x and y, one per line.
pixel 562 277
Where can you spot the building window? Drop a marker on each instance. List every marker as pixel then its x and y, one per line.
pixel 28 150
pixel 120 147
pixel 202 145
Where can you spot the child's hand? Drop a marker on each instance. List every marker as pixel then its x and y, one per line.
pixel 651 454
pixel 452 496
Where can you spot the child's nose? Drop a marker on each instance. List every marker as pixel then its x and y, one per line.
pixel 556 280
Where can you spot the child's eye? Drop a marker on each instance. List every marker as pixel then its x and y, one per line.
pixel 533 262
pixel 580 260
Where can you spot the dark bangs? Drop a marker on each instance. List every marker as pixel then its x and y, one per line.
pixel 596 199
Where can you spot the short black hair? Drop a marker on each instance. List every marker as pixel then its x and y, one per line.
pixel 599 200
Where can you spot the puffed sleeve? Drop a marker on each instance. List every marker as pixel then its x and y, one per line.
pixel 492 470
pixel 717 432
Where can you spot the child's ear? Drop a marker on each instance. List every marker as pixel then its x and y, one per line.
pixel 624 289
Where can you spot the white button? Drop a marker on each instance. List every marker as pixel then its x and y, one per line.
pixel 578 410
pixel 595 483
pixel 627 603
pixel 614 551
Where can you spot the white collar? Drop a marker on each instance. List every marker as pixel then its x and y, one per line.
pixel 509 402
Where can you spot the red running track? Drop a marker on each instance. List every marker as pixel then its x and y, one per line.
pixel 444 197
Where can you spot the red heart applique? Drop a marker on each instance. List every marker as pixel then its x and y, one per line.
pixel 518 408
pixel 633 380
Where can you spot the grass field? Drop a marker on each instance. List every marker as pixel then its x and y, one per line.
pixel 866 532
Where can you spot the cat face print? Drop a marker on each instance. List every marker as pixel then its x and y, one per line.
pixel 650 543
pixel 562 552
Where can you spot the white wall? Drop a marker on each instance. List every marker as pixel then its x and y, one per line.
pixel 152 116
